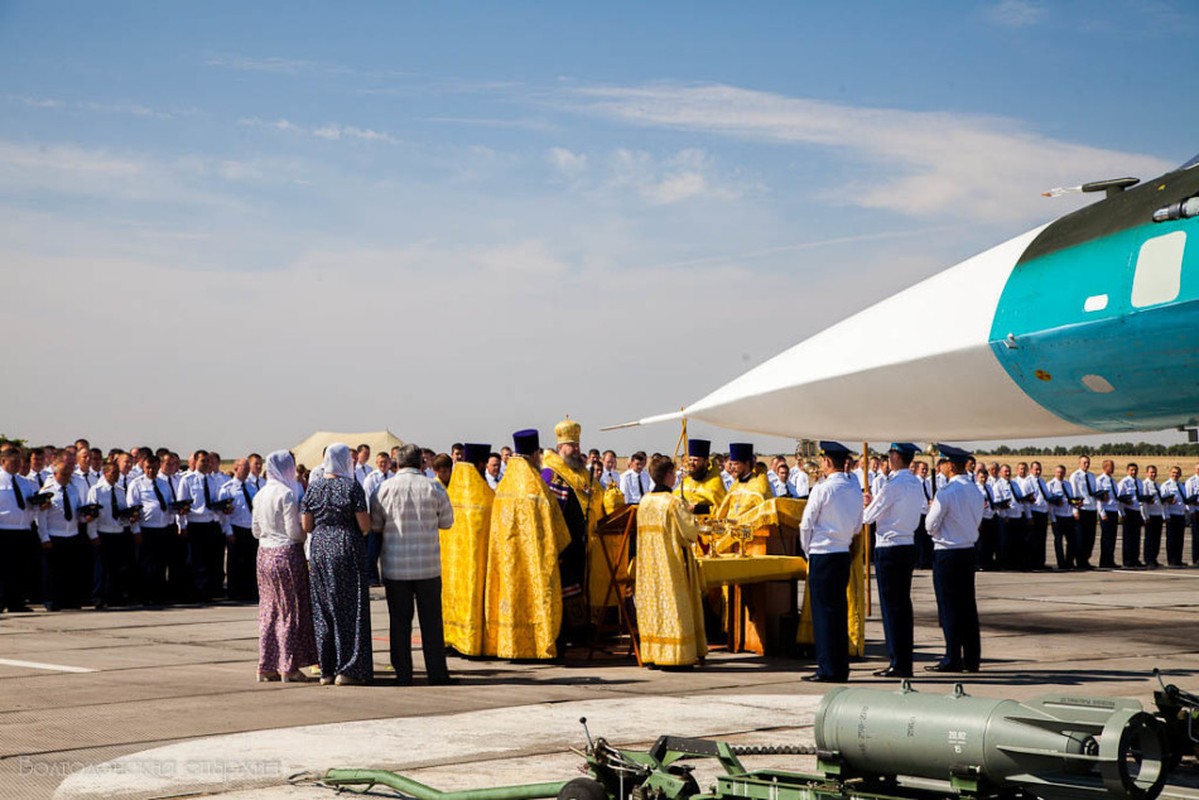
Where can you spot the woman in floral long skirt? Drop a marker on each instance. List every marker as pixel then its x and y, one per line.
pixel 286 642
pixel 335 514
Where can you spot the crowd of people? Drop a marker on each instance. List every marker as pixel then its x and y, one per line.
pixel 495 551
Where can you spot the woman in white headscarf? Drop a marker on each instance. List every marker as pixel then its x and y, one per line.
pixel 335 514
pixel 286 642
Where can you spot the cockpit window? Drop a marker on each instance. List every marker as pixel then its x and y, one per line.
pixel 1193 162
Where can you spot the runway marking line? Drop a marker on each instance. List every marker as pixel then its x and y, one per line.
pixel 12 662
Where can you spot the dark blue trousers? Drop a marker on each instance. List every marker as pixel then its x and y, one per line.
pixel 953 582
pixel 893 569
pixel 1131 544
pixel 1108 532
pixel 1035 538
pixel 1153 539
pixel 1065 541
pixel 828 578
pixel 987 547
pixel 374 548
pixel 924 546
pixel 1176 531
pixel 1086 537
pixel 1011 543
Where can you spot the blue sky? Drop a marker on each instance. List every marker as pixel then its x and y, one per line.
pixel 455 220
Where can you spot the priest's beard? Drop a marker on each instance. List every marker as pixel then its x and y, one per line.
pixel 575 461
pixel 699 471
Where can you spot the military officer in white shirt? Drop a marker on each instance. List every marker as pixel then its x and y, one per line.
pixel 205 539
pixel 1061 506
pixel 362 463
pixel 256 478
pixel 1109 514
pixel 1191 500
pixel 1037 488
pixel 119 532
pixel 953 522
pixel 20 559
pixel 495 471
pixel 1130 492
pixel 1173 495
pixel 1154 514
pixel 780 480
pixel 924 545
pixel 988 526
pixel 374 539
pixel 1009 513
pixel 831 517
pixel 801 484
pixel 65 534
pixel 38 473
pixel 608 472
pixel 242 559
pixel 894 511
pixel 152 492
pixel 634 481
pixel 1087 513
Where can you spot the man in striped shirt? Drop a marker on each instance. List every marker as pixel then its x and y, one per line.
pixel 409 510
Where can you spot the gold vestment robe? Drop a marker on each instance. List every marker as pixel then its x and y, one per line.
pixel 668 591
pixel 743 496
pixel 464 560
pixel 523 592
pixel 709 489
pixel 590 495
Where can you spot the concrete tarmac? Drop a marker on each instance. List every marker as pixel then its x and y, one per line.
pixel 163 703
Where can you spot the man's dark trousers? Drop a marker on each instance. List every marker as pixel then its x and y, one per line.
pixel 828 576
pixel 427 596
pixel 206 546
pixel 1086 537
pixel 893 568
pixel 1131 549
pixel 1109 530
pixel 953 582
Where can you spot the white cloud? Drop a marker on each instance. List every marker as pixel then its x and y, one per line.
pixel 135 109
pixel 273 64
pixel 565 161
pixel 688 173
pixel 920 163
pixel 1015 13
pixel 34 102
pixel 331 131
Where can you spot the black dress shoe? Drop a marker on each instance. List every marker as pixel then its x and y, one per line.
pixel 892 672
pixel 969 669
pixel 942 668
pixel 816 677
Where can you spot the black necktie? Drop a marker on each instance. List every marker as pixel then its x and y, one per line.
pixel 158 493
pixel 16 490
pixel 1090 485
pixel 245 490
pixel 171 486
pixel 112 501
pixel 66 504
pixel 41 482
pixel 924 486
pixel 207 496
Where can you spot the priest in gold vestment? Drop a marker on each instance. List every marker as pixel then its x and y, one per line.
pixel 701 488
pixel 668 591
pixel 464 552
pixel 581 497
pixel 749 488
pixel 523 591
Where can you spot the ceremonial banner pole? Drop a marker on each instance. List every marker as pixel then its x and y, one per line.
pixel 866 528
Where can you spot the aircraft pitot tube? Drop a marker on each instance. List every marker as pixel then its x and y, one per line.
pixel 1053 747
